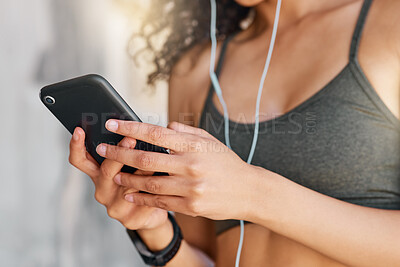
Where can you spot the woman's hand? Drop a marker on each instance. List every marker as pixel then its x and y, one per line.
pixel 205 177
pixel 110 194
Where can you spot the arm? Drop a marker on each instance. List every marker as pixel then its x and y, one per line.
pixel 351 234
pixel 199 244
pixel 195 235
pixel 151 223
pixel 207 179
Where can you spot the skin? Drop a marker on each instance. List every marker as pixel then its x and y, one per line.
pixel 292 225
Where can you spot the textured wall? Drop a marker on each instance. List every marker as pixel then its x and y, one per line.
pixel 48 215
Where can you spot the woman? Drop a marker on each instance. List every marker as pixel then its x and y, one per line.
pixel 326 189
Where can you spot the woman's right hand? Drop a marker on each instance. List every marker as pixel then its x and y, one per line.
pixel 110 194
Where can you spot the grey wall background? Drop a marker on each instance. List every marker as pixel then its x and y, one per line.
pixel 48 215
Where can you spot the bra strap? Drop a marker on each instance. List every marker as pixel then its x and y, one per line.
pixel 223 53
pixel 355 43
pixel 220 63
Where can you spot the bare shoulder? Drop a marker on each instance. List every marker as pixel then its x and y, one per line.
pixel 381 52
pixel 188 85
pixel 387 19
pixel 388 8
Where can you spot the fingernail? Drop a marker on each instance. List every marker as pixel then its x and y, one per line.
pixel 112 125
pixel 101 150
pixel 117 179
pixel 75 135
pixel 129 198
pixel 125 143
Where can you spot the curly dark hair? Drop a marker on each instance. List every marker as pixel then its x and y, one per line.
pixel 187 23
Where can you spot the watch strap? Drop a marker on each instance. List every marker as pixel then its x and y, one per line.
pixel 162 257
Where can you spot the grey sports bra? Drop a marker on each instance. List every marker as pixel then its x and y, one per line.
pixel 342 142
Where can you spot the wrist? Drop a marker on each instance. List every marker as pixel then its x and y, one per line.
pixel 157 239
pixel 155 253
pixel 262 194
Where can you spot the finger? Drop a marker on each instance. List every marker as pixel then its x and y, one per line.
pixel 89 157
pixel 119 209
pixel 138 217
pixel 143 160
pixel 122 210
pixel 159 185
pixel 129 191
pixel 78 155
pixel 142 172
pixel 106 188
pixel 130 215
pixel 183 128
pixel 110 168
pixel 153 134
pixel 169 203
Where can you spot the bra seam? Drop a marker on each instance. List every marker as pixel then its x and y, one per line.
pixel 371 93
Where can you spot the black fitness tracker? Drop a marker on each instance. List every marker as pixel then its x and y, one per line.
pixel 159 258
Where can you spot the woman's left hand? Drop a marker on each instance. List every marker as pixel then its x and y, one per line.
pixel 205 177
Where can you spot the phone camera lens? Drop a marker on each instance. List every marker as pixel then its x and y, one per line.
pixel 49 100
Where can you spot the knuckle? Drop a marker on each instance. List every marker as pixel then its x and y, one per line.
pixel 105 172
pixel 72 160
pixel 125 181
pixel 99 197
pixel 203 132
pixel 125 142
pixel 160 203
pixel 155 134
pixel 144 160
pixel 152 186
pixel 113 212
pixel 194 208
pixel 198 190
pixel 129 127
pixel 194 145
pixel 194 168
pixel 207 135
pixel 113 153
pixel 173 125
pixel 140 201
pixel 130 225
pixel 120 154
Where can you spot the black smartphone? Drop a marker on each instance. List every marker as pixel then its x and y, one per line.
pixel 88 102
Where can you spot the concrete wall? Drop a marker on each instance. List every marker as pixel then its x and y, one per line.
pixel 48 215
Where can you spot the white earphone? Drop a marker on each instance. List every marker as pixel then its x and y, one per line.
pixel 218 91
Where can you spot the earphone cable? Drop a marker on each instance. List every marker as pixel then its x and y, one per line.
pixel 218 91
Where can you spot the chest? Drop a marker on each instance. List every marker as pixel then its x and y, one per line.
pixel 336 143
pixel 307 57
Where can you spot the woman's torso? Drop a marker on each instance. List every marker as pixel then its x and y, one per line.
pixel 334 126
